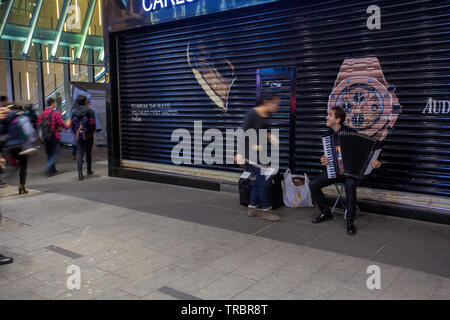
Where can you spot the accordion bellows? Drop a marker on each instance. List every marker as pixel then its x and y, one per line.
pixel 350 154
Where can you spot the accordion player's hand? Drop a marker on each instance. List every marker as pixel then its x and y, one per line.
pixel 375 164
pixel 324 160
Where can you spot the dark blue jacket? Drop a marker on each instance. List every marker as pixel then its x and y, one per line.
pixel 9 128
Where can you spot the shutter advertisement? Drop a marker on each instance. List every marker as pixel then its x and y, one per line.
pixel 388 69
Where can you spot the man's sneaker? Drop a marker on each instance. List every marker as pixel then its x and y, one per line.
pixel 254 211
pixel 269 215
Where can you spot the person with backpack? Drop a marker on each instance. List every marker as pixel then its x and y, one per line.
pixel 14 128
pixel 83 126
pixel 50 123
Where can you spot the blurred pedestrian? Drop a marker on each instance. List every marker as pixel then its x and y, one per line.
pixel 31 114
pixel 4 101
pixel 50 124
pixel 83 126
pixel 257 119
pixel 12 123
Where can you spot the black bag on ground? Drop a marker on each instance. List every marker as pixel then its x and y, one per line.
pixel 245 186
pixel 275 191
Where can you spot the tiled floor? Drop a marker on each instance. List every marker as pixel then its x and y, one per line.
pixel 140 240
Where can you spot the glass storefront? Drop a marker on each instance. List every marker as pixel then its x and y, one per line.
pixel 35 69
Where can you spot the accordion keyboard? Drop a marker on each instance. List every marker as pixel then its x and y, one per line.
pixel 328 150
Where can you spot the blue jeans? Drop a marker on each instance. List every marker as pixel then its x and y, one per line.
pixel 259 193
pixel 52 148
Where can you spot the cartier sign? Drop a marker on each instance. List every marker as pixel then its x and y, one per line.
pixel 153 5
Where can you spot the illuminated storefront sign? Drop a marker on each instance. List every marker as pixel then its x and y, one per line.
pixel 153 5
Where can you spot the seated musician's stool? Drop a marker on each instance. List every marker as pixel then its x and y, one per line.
pixel 340 188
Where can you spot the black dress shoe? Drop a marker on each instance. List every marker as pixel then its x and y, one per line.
pixel 351 229
pixel 322 217
pixel 5 260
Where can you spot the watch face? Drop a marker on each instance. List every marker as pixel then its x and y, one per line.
pixel 367 103
pixel 213 72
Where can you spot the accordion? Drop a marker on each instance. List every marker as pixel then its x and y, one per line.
pixel 350 154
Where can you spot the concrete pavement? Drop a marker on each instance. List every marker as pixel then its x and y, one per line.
pixel 141 240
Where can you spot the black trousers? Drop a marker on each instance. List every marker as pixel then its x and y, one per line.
pixel 84 146
pixel 322 181
pixel 23 163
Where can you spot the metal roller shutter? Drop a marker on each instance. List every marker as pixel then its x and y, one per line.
pixel 412 46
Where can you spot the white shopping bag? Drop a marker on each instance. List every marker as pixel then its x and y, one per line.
pixel 296 196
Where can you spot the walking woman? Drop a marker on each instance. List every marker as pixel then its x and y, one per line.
pixel 83 126
pixel 14 140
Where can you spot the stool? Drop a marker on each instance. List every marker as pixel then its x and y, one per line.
pixel 340 189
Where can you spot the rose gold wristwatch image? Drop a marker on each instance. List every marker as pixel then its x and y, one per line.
pixel 370 103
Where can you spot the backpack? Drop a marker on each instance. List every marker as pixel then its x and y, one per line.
pixel 81 125
pixel 46 131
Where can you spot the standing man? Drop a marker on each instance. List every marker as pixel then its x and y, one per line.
pixel 335 122
pixel 50 123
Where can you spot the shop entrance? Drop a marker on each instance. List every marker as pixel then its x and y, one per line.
pixel 281 82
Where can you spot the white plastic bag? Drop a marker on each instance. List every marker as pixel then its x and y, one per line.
pixel 296 196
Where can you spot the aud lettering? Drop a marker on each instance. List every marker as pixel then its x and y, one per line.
pixel 437 107
pixel 153 5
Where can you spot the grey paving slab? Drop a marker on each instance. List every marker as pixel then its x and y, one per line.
pixel 274 286
pixel 293 273
pixel 50 291
pixel 427 233
pixel 251 294
pixel 260 268
pixel 64 252
pixel 356 291
pixel 145 267
pixel 197 280
pixel 177 293
pixel 117 295
pixel 344 267
pixel 417 256
pixel 227 287
pixel 157 295
pixel 155 280
pixel 186 249
pixel 319 286
pixel 294 232
pixel 379 224
pixel 413 285
pixel 363 245
pixel 298 214
pixel 3 281
pixel 310 260
pixel 94 289
pixel 243 256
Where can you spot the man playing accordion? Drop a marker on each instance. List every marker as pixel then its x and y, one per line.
pixel 335 122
